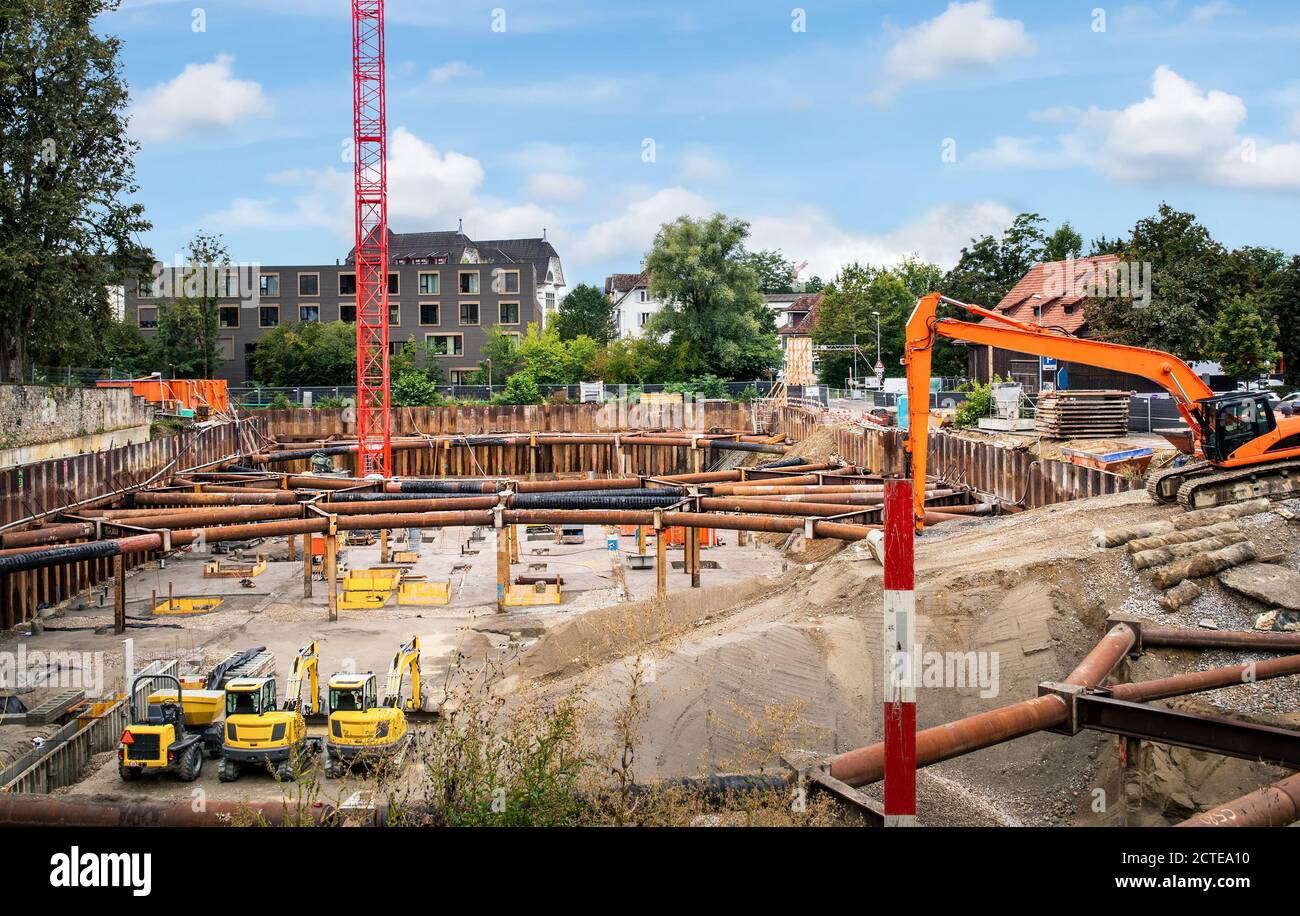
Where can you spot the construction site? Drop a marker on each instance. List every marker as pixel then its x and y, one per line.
pixel 654 609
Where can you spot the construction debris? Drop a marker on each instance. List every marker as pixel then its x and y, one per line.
pixel 1273 585
pixel 1198 518
pixel 1181 595
pixel 1182 537
pixel 1162 556
pixel 1205 564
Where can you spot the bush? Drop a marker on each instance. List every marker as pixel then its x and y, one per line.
pixel 748 395
pixel 414 389
pixel 705 386
pixel 521 388
pixel 978 403
pixel 280 402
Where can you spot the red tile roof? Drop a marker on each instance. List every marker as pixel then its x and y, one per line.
pixel 1061 288
pixel 622 283
pixel 808 305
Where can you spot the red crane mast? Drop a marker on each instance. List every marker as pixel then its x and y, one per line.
pixel 370 256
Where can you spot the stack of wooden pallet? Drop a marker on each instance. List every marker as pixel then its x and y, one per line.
pixel 1082 414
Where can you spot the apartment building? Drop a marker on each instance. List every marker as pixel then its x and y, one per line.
pixel 444 290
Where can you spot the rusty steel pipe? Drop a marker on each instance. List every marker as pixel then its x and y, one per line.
pixel 65 811
pixel 48 534
pixel 1211 679
pixel 183 498
pixel 1272 806
pixel 1179 638
pixel 410 505
pixel 775 507
pixel 866 765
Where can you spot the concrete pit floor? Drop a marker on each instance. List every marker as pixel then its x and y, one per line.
pixel 272 612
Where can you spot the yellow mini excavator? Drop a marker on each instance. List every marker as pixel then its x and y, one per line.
pixel 259 734
pixel 363 729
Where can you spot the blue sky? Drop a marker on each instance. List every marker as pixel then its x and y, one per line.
pixel 840 130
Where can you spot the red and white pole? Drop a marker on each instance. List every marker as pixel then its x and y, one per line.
pixel 900 678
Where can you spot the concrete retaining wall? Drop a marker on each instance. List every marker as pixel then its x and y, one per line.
pixel 40 422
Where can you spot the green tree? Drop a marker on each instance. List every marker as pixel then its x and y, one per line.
pixel 1064 243
pixel 308 353
pixel 1286 311
pixel 1244 338
pixel 66 173
pixel 714 318
pixel 128 352
pixel 415 377
pixel 847 309
pixel 587 311
pixel 989 267
pixel 774 271
pixel 552 361
pixel 634 361
pixel 1189 274
pixel 187 324
pixel 521 388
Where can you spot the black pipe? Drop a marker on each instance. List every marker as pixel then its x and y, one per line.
pixel 783 463
pixel 73 553
pixel 307 453
pixel 446 486
pixel 593 501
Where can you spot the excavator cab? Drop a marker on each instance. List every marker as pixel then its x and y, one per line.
pixel 362 727
pixel 1233 420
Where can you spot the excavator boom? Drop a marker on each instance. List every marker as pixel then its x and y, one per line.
pixel 304 665
pixel 1265 441
pixel 406 657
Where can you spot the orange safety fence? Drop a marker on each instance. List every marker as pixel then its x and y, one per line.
pixel 190 394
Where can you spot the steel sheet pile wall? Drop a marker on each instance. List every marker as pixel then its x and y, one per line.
pixel 309 425
pixel 1008 474
pixel 49 486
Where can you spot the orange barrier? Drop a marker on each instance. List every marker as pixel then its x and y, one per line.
pixel 677 537
pixel 191 394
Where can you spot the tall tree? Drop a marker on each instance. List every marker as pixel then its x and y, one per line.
pixel 586 310
pixel 1189 273
pixel 715 319
pixel 774 271
pixel 990 266
pixel 1286 311
pixel 309 353
pixel 1244 338
pixel 187 320
pixel 66 172
pixel 1064 243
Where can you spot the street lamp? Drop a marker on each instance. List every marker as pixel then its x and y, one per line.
pixel 877 314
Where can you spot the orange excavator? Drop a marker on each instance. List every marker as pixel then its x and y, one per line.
pixel 1240 449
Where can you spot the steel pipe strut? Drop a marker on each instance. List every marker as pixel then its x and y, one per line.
pixel 1272 806
pixel 1180 638
pixel 1211 679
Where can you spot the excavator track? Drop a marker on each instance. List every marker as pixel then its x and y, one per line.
pixel 1276 480
pixel 1163 485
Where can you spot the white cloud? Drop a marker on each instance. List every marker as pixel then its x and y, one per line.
pixel 428 189
pixel 938 235
pixel 1207 11
pixel 1179 133
pixel 555 186
pixel 629 234
pixel 701 167
pixel 202 99
pixel 450 71
pixel 965 37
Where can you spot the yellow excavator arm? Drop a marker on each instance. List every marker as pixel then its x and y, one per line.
pixel 304 665
pixel 1165 369
pixel 406 657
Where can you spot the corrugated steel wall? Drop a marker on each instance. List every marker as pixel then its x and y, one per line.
pixel 60 483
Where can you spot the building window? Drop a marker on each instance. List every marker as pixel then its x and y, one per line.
pixel 228 316
pixel 348 312
pixel 469 313
pixel 308 284
pixel 550 303
pixel 228 283
pixel 505 281
pixel 445 344
pixel 268 316
pixel 394 314
pixel 429 283
pixel 347 284
pixel 309 313
pixel 509 313
pixel 430 313
pixel 642 295
pixel 269 285
pixel 642 318
pixel 461 376
pixel 147 318
pixel 226 349
pixel 394 285
pixel 469 282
